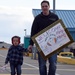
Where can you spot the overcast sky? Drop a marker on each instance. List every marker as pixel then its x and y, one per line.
pixel 16 15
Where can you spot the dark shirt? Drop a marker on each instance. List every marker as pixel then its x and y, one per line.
pixel 42 21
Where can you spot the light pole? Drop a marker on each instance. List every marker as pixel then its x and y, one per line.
pixel 25 31
pixel 54 6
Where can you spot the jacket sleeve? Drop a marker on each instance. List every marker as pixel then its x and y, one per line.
pixel 57 18
pixel 34 29
pixel 24 49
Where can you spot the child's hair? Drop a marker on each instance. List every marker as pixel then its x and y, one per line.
pixel 15 37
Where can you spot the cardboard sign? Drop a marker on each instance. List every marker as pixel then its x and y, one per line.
pixel 52 39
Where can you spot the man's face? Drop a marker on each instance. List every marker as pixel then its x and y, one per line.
pixel 15 41
pixel 45 8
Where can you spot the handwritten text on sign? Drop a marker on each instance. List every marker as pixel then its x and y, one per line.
pixel 52 39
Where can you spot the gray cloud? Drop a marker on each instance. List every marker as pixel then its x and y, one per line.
pixel 13 23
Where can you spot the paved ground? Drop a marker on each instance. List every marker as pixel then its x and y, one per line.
pixel 30 66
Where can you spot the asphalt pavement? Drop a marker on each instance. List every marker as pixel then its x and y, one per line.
pixel 30 66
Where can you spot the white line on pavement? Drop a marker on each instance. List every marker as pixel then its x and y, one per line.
pixel 2 56
pixel 31 65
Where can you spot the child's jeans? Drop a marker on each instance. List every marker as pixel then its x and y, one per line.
pixel 15 69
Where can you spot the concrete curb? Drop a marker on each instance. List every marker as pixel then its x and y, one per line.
pixel 3 48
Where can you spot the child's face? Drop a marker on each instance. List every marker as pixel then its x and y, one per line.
pixel 15 41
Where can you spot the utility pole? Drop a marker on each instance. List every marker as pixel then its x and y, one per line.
pixel 53 6
pixel 25 31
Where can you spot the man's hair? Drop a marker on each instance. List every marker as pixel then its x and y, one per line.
pixel 15 37
pixel 45 1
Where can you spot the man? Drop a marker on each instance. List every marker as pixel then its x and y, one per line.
pixel 41 21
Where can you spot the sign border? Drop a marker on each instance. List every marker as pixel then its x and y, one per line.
pixel 49 27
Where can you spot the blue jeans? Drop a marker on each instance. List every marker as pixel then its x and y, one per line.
pixel 15 69
pixel 52 65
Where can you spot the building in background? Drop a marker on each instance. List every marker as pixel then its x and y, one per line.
pixel 26 41
pixel 4 45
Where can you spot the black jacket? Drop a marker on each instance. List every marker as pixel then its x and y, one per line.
pixel 40 22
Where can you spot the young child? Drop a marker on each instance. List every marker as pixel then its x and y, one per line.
pixel 15 56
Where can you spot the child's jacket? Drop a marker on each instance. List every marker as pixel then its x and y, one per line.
pixel 15 55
